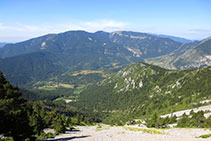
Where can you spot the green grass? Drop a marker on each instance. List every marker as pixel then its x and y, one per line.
pixel 150 131
pixel 101 127
pixel 6 139
pixel 205 136
pixel 120 132
pixel 48 88
pixel 46 136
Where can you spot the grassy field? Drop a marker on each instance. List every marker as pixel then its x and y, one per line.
pixel 85 72
pixel 53 86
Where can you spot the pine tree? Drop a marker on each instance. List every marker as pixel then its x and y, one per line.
pixel 14 121
pixel 184 121
pixel 207 123
pixel 59 125
pixel 36 121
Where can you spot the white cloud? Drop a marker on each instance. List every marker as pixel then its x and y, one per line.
pixel 106 25
pixel 14 32
pixel 19 31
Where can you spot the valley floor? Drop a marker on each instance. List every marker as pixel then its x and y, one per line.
pixel 108 133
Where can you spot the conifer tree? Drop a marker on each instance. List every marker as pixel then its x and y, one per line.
pixel 14 121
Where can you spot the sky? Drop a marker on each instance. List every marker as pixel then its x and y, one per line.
pixel 24 19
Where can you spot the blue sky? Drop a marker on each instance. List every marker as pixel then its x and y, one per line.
pixel 24 19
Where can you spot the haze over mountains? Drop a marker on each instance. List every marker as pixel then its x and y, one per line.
pixel 51 55
pixel 190 55
pixel 178 39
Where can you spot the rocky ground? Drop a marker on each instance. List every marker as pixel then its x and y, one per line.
pixel 187 112
pixel 108 133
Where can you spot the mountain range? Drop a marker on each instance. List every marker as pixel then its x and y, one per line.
pixel 103 74
pixel 190 55
pixel 178 39
pixel 57 55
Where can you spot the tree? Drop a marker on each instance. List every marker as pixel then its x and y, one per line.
pixel 14 121
pixel 58 124
pixel 35 119
pixel 173 119
pixel 207 123
pixel 184 121
pixel 198 119
pixel 152 121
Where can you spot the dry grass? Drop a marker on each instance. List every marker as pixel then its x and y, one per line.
pixel 150 131
pixel 101 127
pixel 86 72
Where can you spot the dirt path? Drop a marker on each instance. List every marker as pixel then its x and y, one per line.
pixel 107 133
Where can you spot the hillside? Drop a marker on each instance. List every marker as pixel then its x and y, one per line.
pixel 23 69
pixel 141 89
pixel 122 42
pixel 194 55
pixel 55 55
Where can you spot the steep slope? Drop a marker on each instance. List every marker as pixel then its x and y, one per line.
pixel 192 55
pixel 165 61
pixel 144 45
pixel 32 67
pixel 196 57
pixel 141 89
pixel 78 50
pixel 29 46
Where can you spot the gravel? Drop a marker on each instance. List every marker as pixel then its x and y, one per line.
pixel 108 133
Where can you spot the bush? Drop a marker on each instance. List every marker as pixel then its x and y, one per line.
pixel 207 123
pixel 205 136
pixel 46 135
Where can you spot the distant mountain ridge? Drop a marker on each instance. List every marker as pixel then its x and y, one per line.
pixel 79 50
pixel 54 55
pixel 178 39
pixel 57 42
pixel 194 55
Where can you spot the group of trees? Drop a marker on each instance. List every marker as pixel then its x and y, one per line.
pixel 21 119
pixel 14 119
pixel 193 120
pixel 158 122
pixel 163 91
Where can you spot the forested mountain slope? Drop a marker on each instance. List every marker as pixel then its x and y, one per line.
pixel 141 89
pixel 56 55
